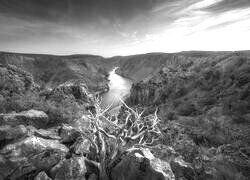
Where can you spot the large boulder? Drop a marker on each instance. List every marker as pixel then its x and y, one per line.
pixel 68 133
pixel 9 133
pixel 73 138
pixel 22 158
pixel 163 152
pixel 141 164
pixel 42 176
pixel 71 169
pixel 32 117
pixel 45 134
pixel 182 169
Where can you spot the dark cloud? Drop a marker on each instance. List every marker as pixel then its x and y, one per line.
pixel 86 26
pixel 84 10
pixel 100 16
pixel 227 5
pixel 34 9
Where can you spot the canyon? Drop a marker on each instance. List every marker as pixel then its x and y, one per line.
pixel 201 99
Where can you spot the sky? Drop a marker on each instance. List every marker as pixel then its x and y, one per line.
pixel 123 27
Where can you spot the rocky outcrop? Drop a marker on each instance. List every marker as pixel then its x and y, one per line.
pixel 12 133
pixel 28 155
pixel 145 94
pixel 32 117
pixel 182 169
pixel 28 152
pixel 62 153
pixel 154 90
pixel 74 90
pixel 56 153
pixel 14 80
pixel 141 164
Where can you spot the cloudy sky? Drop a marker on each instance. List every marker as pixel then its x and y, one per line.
pixel 123 27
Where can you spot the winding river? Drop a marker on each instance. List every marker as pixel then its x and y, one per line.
pixel 119 87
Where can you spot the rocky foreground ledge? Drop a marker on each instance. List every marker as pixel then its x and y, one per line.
pixel 61 153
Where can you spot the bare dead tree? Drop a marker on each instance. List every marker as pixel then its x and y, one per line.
pixel 111 138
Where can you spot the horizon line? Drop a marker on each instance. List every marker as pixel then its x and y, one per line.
pixel 79 54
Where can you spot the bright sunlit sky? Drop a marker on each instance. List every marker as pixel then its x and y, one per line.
pixel 123 27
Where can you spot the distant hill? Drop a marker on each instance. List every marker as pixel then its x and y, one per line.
pixel 50 70
pixel 138 67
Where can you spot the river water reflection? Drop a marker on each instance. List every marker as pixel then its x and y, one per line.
pixel 119 87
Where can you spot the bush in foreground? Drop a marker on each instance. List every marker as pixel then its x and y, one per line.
pixel 112 139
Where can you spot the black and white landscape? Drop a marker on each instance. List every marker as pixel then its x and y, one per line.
pixel 124 90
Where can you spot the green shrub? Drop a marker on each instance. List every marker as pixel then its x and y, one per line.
pixel 171 116
pixel 239 119
pixel 2 104
pixel 226 171
pixel 21 102
pixel 207 101
pixel 176 103
pixel 180 92
pixel 186 109
pixel 65 112
pixel 236 108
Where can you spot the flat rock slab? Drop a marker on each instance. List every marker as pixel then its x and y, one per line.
pixel 30 154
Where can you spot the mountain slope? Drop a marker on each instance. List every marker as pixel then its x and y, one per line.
pixel 49 70
pixel 205 98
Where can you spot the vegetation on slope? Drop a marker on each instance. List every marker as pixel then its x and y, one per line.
pixel 204 102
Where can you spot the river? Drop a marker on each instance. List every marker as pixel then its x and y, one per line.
pixel 119 87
